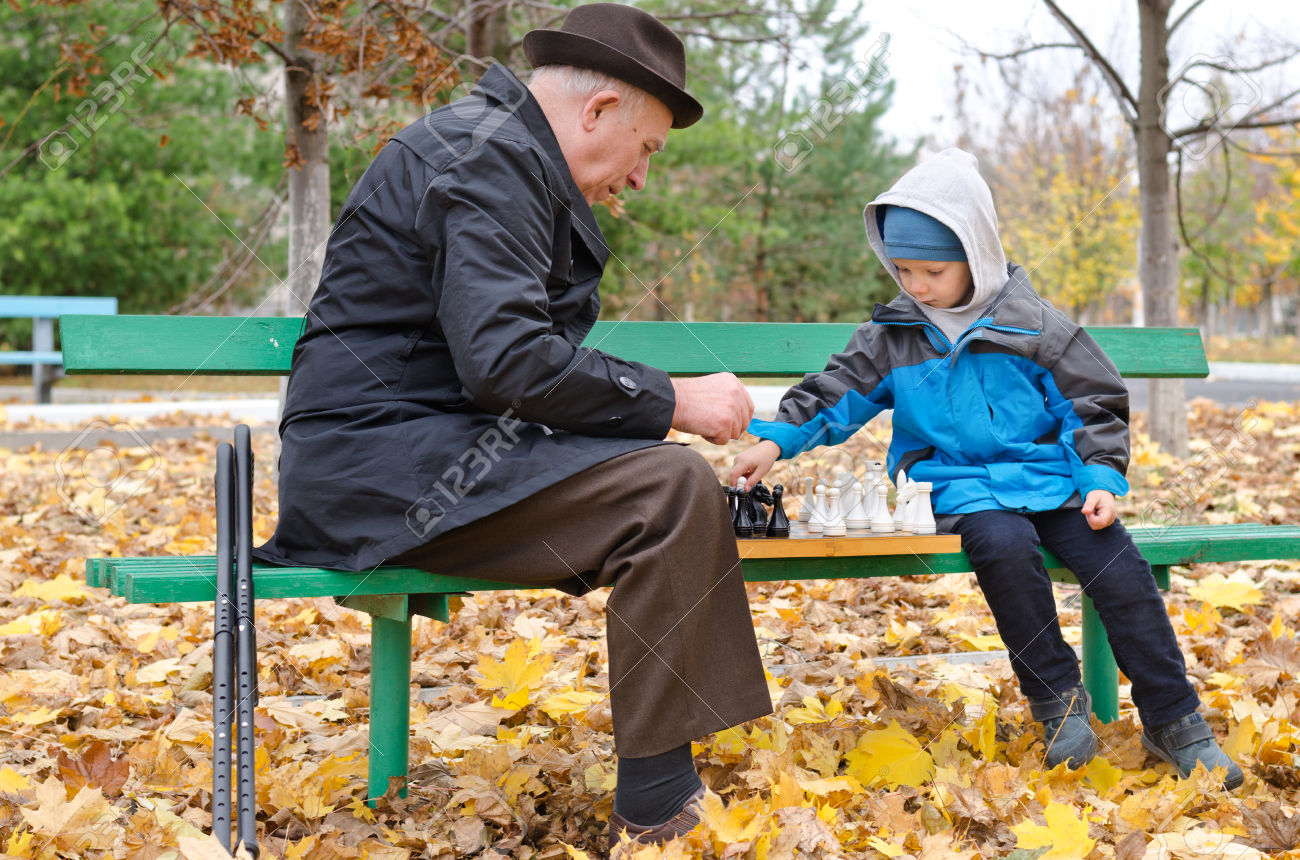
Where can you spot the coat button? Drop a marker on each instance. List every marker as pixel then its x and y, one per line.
pixel 615 421
pixel 627 382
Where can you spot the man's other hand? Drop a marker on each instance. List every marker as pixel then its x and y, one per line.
pixel 716 407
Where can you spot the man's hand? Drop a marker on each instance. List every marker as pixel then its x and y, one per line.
pixel 1099 508
pixel 753 463
pixel 716 407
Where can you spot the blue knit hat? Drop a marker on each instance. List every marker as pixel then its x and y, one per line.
pixel 913 235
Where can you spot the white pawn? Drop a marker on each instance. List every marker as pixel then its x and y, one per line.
pixel 857 517
pixel 834 526
pixel 817 521
pixel 883 523
pixel 923 516
pixel 806 511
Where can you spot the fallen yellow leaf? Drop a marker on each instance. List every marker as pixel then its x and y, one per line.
pixel 889 757
pixel 1237 591
pixel 1066 833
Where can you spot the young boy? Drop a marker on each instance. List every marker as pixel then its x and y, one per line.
pixel 1020 422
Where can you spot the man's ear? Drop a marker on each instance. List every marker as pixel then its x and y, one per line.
pixel 596 106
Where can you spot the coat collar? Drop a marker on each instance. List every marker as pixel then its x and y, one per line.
pixel 502 86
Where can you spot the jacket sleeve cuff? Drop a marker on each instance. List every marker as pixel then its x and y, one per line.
pixel 1090 478
pixel 787 437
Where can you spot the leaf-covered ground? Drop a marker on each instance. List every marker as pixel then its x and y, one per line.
pixel 105 711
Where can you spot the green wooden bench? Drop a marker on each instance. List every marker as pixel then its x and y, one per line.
pixel 393 596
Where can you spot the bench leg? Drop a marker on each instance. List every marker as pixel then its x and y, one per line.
pixel 1100 674
pixel 390 702
pixel 43 375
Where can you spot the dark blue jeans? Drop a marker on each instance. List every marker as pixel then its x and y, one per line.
pixel 1003 548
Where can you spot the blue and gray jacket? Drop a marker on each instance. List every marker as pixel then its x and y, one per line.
pixel 1022 412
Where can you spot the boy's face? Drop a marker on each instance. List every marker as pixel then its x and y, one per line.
pixel 937 284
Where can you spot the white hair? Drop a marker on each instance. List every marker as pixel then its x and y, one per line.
pixel 583 83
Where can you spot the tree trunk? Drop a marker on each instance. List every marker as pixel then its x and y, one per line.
pixel 1266 314
pixel 309 182
pixel 485 35
pixel 1157 247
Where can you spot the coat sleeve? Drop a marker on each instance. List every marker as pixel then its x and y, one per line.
pixel 488 223
pixel 827 408
pixel 1090 399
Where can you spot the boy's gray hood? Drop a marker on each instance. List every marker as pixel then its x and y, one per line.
pixel 948 187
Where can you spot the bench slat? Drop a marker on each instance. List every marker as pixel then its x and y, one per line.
pixel 264 346
pixel 53 307
pixel 31 357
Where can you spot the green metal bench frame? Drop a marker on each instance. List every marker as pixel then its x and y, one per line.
pixel 394 596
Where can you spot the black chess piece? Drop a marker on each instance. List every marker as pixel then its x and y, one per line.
pixel 759 496
pixel 742 521
pixel 731 500
pixel 779 525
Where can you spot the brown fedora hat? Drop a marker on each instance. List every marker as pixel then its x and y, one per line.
pixel 625 43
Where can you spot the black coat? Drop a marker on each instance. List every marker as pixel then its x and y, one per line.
pixel 439 376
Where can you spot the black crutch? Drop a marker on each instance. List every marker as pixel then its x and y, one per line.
pixel 246 643
pixel 223 646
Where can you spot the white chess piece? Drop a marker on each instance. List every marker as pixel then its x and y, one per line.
pixel 923 518
pixel 869 493
pixel 883 522
pixel 900 500
pixel 857 517
pixel 817 521
pixel 907 506
pixel 834 526
pixel 805 512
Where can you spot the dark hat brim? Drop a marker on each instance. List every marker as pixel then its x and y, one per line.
pixel 555 47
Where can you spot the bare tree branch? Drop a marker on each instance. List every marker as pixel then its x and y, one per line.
pixel 1208 125
pixel 1183 17
pixel 1012 55
pixel 1127 103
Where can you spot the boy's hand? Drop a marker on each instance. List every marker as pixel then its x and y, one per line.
pixel 716 407
pixel 752 464
pixel 1099 508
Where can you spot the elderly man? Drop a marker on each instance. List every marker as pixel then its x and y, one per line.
pixel 441 412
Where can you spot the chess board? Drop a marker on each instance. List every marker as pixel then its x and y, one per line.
pixel 832 547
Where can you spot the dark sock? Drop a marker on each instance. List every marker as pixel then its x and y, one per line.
pixel 652 790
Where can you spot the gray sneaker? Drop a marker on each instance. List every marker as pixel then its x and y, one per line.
pixel 1189 741
pixel 1066 726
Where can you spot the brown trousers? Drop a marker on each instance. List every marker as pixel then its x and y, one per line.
pixel 654 524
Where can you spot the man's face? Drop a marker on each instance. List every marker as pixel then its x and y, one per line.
pixel 937 284
pixel 617 144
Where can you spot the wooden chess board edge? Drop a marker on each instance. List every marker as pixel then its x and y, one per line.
pixel 835 547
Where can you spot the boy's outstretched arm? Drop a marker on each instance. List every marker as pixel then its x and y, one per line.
pixel 753 463
pixel 1099 508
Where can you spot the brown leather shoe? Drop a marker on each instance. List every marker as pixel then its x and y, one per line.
pixel 679 825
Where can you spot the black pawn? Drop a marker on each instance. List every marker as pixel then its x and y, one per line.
pixel 779 525
pixel 742 521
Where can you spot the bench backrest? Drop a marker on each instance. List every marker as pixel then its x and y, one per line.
pixel 264 346
pixel 53 307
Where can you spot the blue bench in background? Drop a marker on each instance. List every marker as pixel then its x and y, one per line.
pixel 46 361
